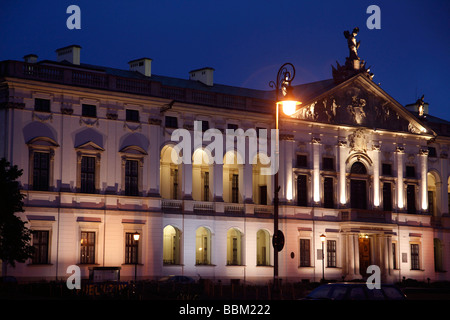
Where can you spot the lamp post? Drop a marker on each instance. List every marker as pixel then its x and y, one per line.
pixel 136 237
pixel 322 239
pixel 285 75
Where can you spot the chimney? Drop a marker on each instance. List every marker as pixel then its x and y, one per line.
pixel 30 58
pixel 204 75
pixel 143 66
pixel 70 54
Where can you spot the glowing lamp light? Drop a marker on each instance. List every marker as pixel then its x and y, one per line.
pixel 322 237
pixel 136 236
pixel 289 103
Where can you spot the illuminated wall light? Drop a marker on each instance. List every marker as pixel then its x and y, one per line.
pixel 289 192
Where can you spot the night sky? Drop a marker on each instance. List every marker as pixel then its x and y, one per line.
pixel 246 41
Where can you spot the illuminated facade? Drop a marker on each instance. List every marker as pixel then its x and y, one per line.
pixel 95 146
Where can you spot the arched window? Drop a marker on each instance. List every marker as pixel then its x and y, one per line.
pixel 358 168
pixel 202 246
pixel 232 178
pixel 262 248
pixel 234 251
pixel 170 173
pixel 201 178
pixel 171 245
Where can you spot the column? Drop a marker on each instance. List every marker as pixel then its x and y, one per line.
pixel 356 255
pixel 316 170
pixel 400 187
pixel 286 176
pixel 217 171
pixel 342 183
pixel 248 183
pixel 186 183
pixel 350 256
pixel 423 182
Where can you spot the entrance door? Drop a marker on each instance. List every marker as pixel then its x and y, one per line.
pixel 364 255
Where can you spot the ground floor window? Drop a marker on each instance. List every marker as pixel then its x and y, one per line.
pixel 305 253
pixel 87 248
pixel 41 245
pixel 262 248
pixel 331 253
pixel 415 265
pixel 203 246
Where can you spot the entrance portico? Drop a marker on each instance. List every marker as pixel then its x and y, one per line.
pixel 365 245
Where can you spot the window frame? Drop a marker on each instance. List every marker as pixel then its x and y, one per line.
pixel 89 246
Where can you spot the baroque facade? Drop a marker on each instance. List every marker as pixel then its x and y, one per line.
pixel 95 147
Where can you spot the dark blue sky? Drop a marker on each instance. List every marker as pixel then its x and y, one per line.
pixel 246 41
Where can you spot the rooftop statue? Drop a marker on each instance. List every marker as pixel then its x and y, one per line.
pixel 353 45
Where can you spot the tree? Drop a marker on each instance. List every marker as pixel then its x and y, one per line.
pixel 15 244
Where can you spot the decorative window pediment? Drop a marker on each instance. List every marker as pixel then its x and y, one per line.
pixel 90 146
pixel 133 150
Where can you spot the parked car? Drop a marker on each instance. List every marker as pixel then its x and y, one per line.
pixel 177 279
pixel 355 291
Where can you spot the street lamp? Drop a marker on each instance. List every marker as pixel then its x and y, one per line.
pixel 288 103
pixel 136 237
pixel 322 239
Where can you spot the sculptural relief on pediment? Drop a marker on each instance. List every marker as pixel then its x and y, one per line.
pixel 356 106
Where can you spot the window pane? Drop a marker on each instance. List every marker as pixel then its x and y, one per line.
pixel 131 178
pixel 302 191
pixel 89 110
pixel 41 171
pixel 42 105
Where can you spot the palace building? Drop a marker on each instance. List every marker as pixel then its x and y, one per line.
pixel 95 147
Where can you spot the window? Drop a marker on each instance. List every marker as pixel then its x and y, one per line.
pixel 40 244
pixel 386 169
pixel 42 105
pixel 205 125
pixel 328 194
pixel 263 195
pixel 331 253
pixel 171 122
pixel 262 248
pixel 305 253
pixel 87 250
pixel 234 247
pixel 131 178
pixel 89 110
pixel 235 188
pixel 232 126
pixel 358 194
pixel 358 168
pixel 203 246
pixel 302 161
pixel 132 115
pixel 171 245
pixel 206 186
pixel 432 152
pixel 387 196
pixel 431 196
pixel 302 191
pixel 131 249
pixel 410 172
pixel 415 256
pixel 175 184
pixel 411 198
pixel 41 171
pixel 328 164
pixel 87 174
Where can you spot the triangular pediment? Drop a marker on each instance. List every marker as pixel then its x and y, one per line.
pixel 360 102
